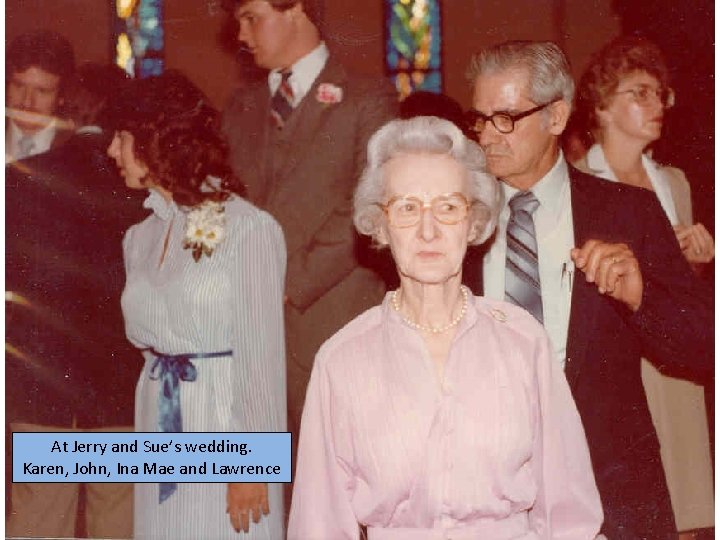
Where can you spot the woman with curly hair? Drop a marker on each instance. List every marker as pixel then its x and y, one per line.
pixel 625 93
pixel 203 302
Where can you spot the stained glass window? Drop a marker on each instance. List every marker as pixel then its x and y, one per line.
pixel 139 38
pixel 413 45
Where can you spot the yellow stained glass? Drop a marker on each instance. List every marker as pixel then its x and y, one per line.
pixel 123 51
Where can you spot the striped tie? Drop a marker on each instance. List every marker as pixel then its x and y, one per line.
pixel 281 102
pixel 522 277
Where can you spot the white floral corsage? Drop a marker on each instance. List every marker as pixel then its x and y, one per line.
pixel 329 93
pixel 205 229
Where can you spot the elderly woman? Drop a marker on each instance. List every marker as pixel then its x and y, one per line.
pixel 625 92
pixel 438 414
pixel 203 302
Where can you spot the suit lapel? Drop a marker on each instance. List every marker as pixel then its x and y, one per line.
pixel 253 131
pixel 308 117
pixel 583 304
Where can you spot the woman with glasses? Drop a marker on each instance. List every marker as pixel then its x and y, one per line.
pixel 438 414
pixel 625 94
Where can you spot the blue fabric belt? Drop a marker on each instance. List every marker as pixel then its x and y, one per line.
pixel 170 369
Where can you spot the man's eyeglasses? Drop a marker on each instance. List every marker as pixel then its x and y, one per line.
pixel 504 122
pixel 404 211
pixel 643 94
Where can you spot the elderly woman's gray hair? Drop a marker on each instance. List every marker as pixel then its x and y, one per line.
pixel 425 135
pixel 547 66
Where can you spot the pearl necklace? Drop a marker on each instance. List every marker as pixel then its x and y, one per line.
pixel 432 329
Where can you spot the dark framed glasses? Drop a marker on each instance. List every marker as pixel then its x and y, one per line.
pixel 503 121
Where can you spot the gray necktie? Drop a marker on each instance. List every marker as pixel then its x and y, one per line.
pixel 522 275
pixel 26 145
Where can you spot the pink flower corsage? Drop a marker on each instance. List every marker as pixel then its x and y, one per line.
pixel 329 93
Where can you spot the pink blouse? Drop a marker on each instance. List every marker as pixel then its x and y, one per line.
pixel 496 450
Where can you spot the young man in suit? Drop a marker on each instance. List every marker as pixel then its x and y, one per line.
pixel 598 264
pixel 298 141
pixel 38 66
pixel 69 366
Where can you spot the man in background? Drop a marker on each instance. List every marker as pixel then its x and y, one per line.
pixel 38 66
pixel 596 263
pixel 298 140
pixel 68 364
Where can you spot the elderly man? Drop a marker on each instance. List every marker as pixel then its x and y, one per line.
pixel 598 264
pixel 298 141
pixel 38 66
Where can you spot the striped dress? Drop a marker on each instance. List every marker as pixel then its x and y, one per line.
pixel 230 301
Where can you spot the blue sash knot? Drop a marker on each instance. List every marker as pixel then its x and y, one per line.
pixel 170 369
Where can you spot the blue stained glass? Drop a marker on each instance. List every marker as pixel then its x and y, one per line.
pixel 150 67
pixel 432 82
pixel 144 29
pixel 413 45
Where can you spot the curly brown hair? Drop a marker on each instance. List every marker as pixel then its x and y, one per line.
pixel 177 137
pixel 619 58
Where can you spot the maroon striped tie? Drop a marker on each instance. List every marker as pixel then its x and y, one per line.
pixel 281 102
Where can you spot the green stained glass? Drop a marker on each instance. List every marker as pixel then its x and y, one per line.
pixel 413 45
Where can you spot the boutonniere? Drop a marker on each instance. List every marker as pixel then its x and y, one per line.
pixel 205 229
pixel 329 93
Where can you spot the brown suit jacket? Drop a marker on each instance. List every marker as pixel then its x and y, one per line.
pixel 304 175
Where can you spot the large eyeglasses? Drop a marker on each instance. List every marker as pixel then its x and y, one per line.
pixel 643 94
pixel 503 121
pixel 404 211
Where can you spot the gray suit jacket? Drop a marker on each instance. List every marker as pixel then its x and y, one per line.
pixel 305 174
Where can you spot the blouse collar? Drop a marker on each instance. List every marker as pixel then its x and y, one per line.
pixel 599 166
pixel 160 206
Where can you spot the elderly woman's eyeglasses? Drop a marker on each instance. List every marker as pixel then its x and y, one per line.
pixel 643 94
pixel 403 211
pixel 503 121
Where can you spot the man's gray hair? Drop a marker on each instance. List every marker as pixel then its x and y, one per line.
pixel 545 63
pixel 425 135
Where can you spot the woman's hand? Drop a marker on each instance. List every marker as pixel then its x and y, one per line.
pixel 244 499
pixel 695 242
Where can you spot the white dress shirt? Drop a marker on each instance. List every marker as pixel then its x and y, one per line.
pixel 42 141
pixel 555 238
pixel 598 165
pixel 304 73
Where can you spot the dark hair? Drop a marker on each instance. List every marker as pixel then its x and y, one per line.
pixel 44 49
pixel 423 103
pixel 314 9
pixel 177 137
pixel 90 90
pixel 620 57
